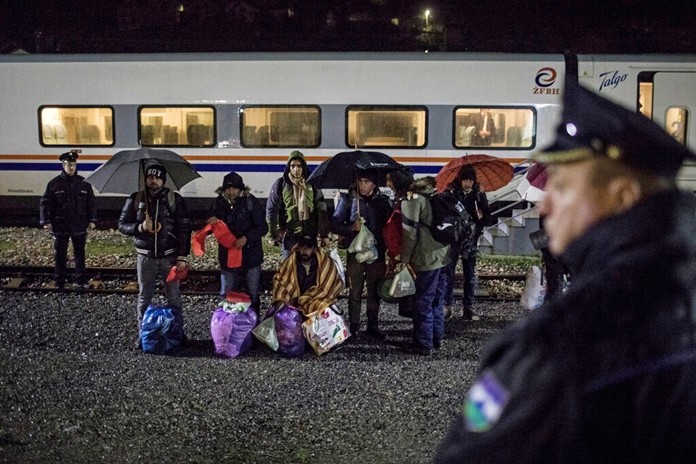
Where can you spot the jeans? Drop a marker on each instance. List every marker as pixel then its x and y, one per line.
pixel 60 248
pixel 148 270
pixel 359 275
pixel 230 282
pixel 428 314
pixel 469 288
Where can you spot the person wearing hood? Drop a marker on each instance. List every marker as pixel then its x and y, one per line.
pixel 295 208
pixel 606 371
pixel 363 203
pixel 244 217
pixel 426 257
pixel 469 193
pixel 68 210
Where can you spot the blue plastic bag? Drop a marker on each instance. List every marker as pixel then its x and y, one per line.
pixel 162 330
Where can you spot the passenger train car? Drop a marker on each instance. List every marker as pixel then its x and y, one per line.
pixel 247 112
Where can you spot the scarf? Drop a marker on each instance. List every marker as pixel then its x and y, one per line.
pixel 324 293
pixel 224 237
pixel 299 192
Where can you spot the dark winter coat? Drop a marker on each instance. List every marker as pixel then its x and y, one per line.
pixel 475 202
pixel 376 210
pixel 245 218
pixel 174 238
pixel 68 205
pixel 606 372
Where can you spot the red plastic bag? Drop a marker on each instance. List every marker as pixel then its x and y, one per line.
pixel 177 275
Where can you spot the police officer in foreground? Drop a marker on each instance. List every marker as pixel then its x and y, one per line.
pixel 67 210
pixel 607 371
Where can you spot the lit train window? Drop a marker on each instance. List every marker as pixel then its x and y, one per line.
pixel 280 126
pixel 176 126
pixel 76 126
pixel 676 119
pixel 494 127
pixel 386 126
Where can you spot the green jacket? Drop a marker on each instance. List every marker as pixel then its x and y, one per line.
pixel 419 248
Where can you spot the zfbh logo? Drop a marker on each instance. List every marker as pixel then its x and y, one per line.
pixel 545 77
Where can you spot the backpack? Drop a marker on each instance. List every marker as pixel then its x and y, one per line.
pixel 391 232
pixel 451 222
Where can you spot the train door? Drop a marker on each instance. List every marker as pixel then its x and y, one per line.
pixel 669 99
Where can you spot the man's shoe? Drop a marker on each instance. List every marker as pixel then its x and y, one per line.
pixel 354 329
pixel 467 314
pixel 448 312
pixel 413 348
pixel 437 344
pixel 138 345
pixel 376 333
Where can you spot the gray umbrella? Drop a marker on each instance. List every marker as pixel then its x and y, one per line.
pixel 123 173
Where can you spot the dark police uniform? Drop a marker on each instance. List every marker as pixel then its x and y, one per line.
pixel 606 372
pixel 68 206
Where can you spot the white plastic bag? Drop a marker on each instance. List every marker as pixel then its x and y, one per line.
pixel 364 245
pixel 325 329
pixel 339 264
pixel 403 284
pixel 534 289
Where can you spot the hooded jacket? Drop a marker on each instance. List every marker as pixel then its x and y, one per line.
pixel 606 372
pixel 418 247
pixel 287 218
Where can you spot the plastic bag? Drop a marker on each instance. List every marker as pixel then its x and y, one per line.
pixel 403 284
pixel 364 245
pixel 265 332
pixel 339 264
pixel 288 325
pixel 325 329
pixel 534 289
pixel 231 326
pixel 161 331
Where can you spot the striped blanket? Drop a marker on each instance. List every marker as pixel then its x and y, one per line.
pixel 319 296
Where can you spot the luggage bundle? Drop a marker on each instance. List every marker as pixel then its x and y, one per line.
pixel 231 325
pixel 281 330
pixel 162 330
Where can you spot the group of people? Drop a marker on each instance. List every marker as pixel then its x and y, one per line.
pixel 604 372
pixel 297 220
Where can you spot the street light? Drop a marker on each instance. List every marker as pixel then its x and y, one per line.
pixel 427 15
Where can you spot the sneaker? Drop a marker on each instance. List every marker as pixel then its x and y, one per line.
pixel 376 333
pixel 354 329
pixel 437 344
pixel 413 348
pixel 138 345
pixel 467 314
pixel 448 312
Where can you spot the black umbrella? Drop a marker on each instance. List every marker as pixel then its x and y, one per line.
pixel 341 170
pixel 123 173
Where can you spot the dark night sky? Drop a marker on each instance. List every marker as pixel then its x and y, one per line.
pixel 544 26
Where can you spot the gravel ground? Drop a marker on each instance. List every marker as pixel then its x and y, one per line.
pixel 74 390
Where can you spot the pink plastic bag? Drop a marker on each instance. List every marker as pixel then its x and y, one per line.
pixel 230 328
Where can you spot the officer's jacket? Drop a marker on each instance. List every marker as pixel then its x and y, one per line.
pixel 68 205
pixel 607 372
pixel 174 235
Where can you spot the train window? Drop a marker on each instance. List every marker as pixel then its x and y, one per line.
pixel 676 119
pixel 280 126
pixel 386 126
pixel 177 126
pixel 76 126
pixel 494 127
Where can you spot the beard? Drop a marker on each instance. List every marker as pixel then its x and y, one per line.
pixel 305 259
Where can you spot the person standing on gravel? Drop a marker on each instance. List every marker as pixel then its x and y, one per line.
pixel 158 221
pixel 605 372
pixel 244 217
pixel 469 193
pixel 68 210
pixel 426 257
pixel 364 201
pixel 295 208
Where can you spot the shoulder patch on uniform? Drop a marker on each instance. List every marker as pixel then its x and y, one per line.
pixel 484 403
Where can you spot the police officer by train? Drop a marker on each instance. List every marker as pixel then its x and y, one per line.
pixel 606 372
pixel 68 210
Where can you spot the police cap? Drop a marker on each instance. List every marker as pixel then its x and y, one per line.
pixel 72 155
pixel 593 126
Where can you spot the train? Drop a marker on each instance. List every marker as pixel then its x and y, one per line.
pixel 246 112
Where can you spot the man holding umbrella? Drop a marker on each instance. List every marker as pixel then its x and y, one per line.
pixel 363 206
pixel 158 221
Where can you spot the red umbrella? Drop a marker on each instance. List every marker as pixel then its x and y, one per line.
pixel 536 175
pixel 492 173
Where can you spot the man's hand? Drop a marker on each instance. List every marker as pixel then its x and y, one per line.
pixel 212 220
pixel 240 242
pixel 91 226
pixel 324 241
pixel 181 265
pixel 48 227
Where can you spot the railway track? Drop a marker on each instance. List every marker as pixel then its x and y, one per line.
pixel 198 282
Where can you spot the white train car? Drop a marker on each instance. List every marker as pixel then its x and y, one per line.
pixel 247 112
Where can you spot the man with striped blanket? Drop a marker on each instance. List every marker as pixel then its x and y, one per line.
pixel 307 279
